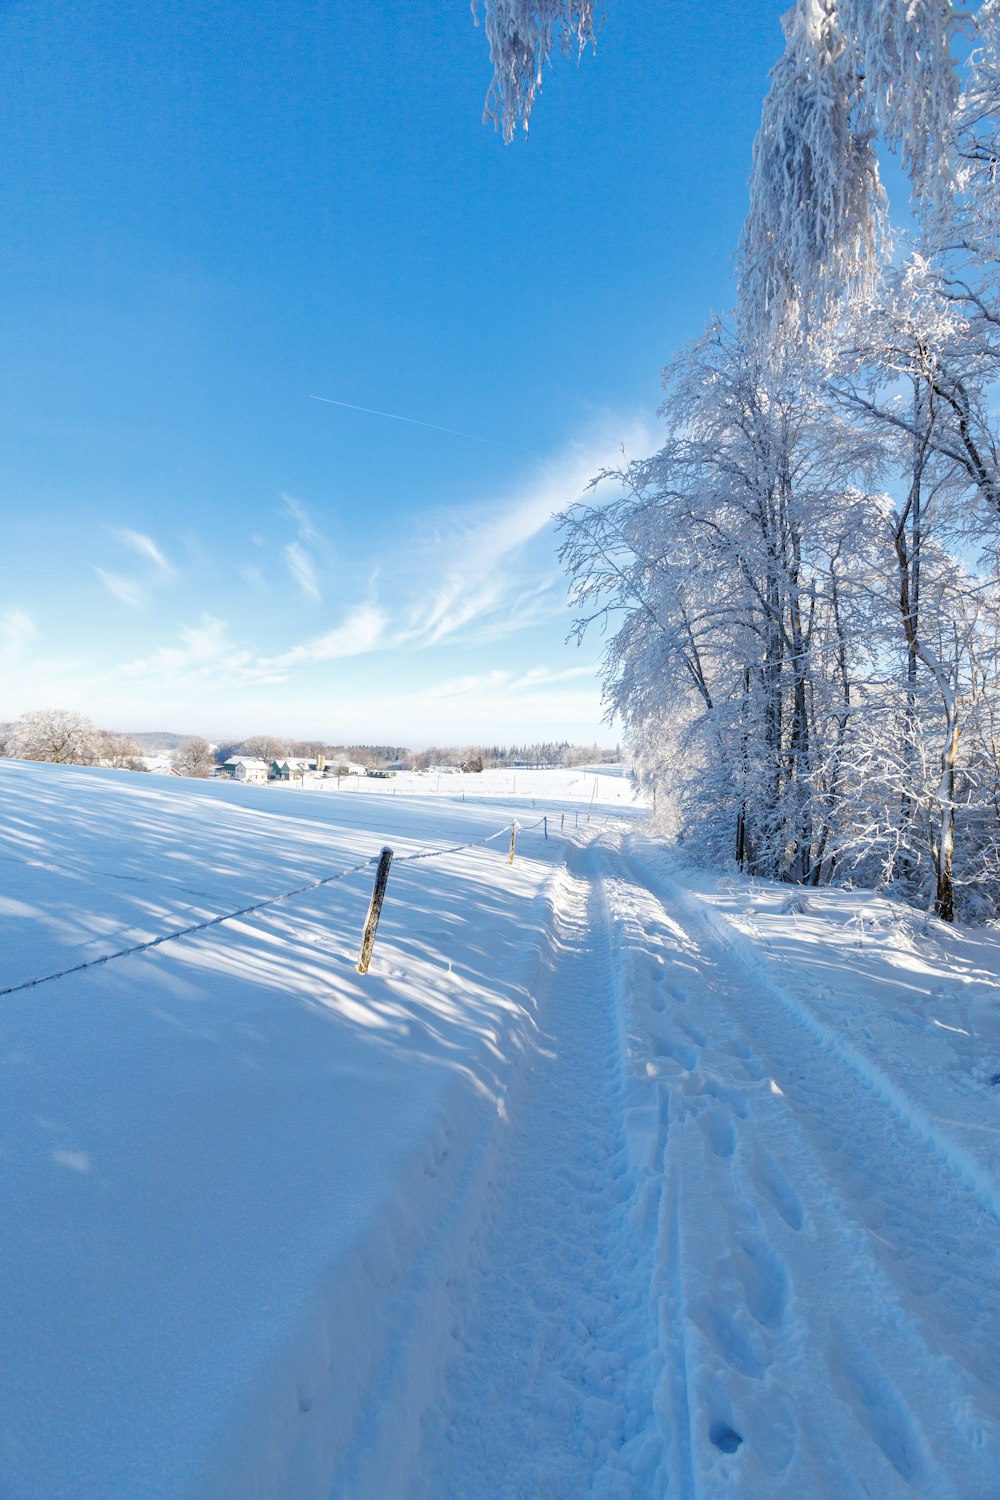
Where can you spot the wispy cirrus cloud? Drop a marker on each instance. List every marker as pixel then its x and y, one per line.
pixel 503 680
pixel 362 631
pixel 144 547
pixel 204 656
pixel 300 515
pixel 254 577
pixel 17 630
pixel 499 574
pixel 301 567
pixel 299 554
pixel 544 677
pixel 483 706
pixel 126 590
pixel 458 617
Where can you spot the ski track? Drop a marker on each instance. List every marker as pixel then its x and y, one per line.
pixel 547 1395
pixel 717 1261
pixel 839 1278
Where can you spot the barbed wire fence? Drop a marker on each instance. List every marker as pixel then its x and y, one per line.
pixel 512 828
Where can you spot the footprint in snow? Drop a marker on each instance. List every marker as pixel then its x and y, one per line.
pixel 694 1033
pixel 764 1280
pixel 725 1438
pixel 719 1132
pixel 771 1181
pixel 681 1053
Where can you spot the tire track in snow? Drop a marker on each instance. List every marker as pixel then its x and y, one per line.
pixel 548 1394
pixel 835 1271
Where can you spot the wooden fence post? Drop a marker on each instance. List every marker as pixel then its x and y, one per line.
pixel 513 836
pixel 545 825
pixel 562 821
pixel 374 910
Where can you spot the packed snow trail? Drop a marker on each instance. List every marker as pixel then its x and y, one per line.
pixel 549 1391
pixel 719 1259
pixel 831 1289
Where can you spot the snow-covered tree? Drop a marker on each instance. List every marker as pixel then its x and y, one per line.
pixel 522 36
pixel 194 758
pixel 922 335
pixel 800 589
pixel 119 752
pixel 817 208
pixel 853 71
pixel 799 656
pixel 53 734
pixel 723 566
pixel 977 135
pixel 265 747
pixel 914 374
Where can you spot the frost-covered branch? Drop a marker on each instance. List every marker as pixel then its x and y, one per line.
pixel 522 35
pixel 853 71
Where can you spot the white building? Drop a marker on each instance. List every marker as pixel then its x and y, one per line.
pixel 246 769
pixel 294 768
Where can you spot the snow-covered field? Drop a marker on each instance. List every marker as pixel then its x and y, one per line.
pixel 573 788
pixel 610 1179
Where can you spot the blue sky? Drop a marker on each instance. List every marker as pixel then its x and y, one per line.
pixel 215 212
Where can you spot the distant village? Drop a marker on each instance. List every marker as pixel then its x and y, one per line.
pixel 298 768
pixel 385 763
pixel 65 737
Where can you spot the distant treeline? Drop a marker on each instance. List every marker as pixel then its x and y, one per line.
pixel 468 757
pixel 56 734
pixel 487 757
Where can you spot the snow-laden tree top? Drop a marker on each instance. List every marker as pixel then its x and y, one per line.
pixel 852 70
pixel 978 137
pixel 816 202
pixel 522 35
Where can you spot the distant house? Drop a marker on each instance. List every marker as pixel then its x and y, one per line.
pixel 295 768
pixel 245 768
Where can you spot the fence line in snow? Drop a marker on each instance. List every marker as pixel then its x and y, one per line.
pixel 246 911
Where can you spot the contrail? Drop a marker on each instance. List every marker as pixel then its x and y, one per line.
pixel 414 422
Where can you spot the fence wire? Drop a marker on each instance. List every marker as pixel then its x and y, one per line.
pixel 247 911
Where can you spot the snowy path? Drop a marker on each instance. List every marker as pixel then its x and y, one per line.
pixel 549 1391
pixel 721 1259
pixel 831 1284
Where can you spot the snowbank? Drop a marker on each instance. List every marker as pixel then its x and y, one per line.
pixel 230 1162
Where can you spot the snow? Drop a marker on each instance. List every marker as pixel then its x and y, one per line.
pixel 611 1178
pixel 832 1172
pixel 160 765
pixel 573 786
